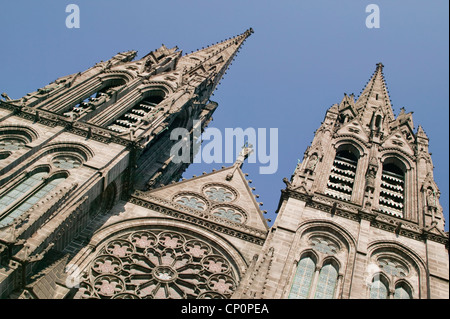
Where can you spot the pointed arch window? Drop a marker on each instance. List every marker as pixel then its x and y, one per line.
pixel 391 279
pixel 379 288
pixel 139 113
pixel 311 281
pixel 342 177
pixel 392 188
pixel 96 99
pixel 301 285
pixel 402 291
pixel 28 192
pixel 326 284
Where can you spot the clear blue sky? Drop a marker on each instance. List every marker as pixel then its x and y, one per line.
pixel 301 59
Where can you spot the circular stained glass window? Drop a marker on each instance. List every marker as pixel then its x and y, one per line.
pixel 219 194
pixel 159 264
pixel 66 162
pixel 230 214
pixel 191 201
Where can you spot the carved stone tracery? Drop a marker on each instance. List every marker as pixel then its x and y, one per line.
pixel 158 264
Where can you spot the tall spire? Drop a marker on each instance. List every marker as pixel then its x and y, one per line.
pixel 375 95
pixel 213 61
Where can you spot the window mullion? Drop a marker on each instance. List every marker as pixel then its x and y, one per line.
pixel 312 291
pixel 23 198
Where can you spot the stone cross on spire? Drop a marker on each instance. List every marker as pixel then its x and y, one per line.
pixel 245 152
pixel 375 97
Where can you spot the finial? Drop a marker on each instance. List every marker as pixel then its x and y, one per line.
pixel 246 150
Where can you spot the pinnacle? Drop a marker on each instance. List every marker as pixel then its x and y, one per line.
pixel 376 93
pixel 213 61
pixel 421 132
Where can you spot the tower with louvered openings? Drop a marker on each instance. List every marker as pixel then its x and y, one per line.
pixel 360 217
pixel 75 153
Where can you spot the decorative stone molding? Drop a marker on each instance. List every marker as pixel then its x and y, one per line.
pixel 354 212
pixel 158 264
pixel 204 219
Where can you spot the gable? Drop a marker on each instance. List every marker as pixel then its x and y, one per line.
pixel 397 140
pixel 231 200
pixel 354 128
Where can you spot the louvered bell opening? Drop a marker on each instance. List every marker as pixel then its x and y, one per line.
pixel 136 114
pixel 342 176
pixel 84 105
pixel 392 190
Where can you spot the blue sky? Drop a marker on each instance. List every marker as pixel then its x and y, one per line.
pixel 302 58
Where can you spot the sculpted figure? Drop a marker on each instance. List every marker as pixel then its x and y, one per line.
pixel 431 198
pixel 312 163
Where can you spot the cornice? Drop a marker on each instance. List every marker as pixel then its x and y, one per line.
pixel 75 127
pixel 354 212
pixel 200 218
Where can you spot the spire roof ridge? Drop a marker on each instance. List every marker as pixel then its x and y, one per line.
pixel 245 34
pixel 376 83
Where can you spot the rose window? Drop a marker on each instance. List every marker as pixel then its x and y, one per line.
pixel 11 144
pixel 66 162
pixel 229 214
pixel 191 201
pixel 158 264
pixel 219 194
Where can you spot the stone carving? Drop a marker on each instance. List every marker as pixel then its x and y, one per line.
pixel 11 144
pixel 392 267
pixel 229 213
pixel 66 162
pixel 96 101
pixel 431 199
pixel 312 163
pixel 324 245
pixel 191 201
pixel 52 86
pixel 158 264
pixel 370 180
pixel 219 194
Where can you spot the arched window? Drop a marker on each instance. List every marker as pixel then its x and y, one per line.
pixel 379 288
pixel 402 291
pixel 392 187
pixel 13 139
pixel 27 193
pixel 378 122
pixel 393 275
pixel 326 284
pixel 303 278
pixel 95 99
pixel 342 176
pixel 138 113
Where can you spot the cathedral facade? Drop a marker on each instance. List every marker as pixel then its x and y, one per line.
pixel 92 205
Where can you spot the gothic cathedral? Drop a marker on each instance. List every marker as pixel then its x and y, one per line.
pixel 92 205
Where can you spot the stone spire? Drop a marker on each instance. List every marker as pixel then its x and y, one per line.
pixel 212 62
pixel 375 97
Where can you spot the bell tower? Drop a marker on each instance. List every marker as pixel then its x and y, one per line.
pixel 72 149
pixel 360 216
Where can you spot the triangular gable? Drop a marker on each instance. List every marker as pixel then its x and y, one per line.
pixel 355 128
pixel 398 140
pixel 214 193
